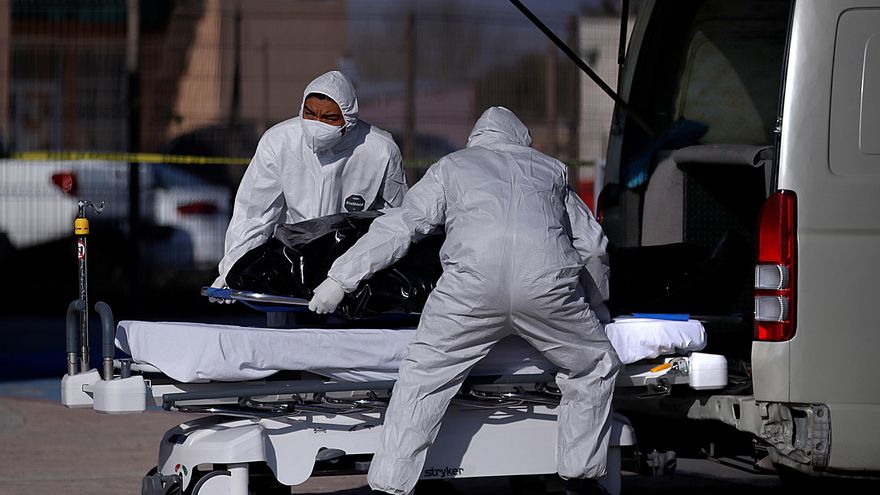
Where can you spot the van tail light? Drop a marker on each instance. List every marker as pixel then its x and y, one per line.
pixel 776 268
pixel 197 208
pixel 600 206
pixel 66 181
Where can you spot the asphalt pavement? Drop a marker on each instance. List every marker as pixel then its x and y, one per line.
pixel 48 449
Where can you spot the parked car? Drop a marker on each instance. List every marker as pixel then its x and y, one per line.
pixel 38 201
pixel 754 207
pixel 194 211
pixel 184 216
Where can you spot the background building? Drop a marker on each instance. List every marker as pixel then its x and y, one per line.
pixel 599 45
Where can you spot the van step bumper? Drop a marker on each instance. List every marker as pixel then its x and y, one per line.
pixel 799 435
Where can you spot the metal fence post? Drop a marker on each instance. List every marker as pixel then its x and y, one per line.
pixel 134 179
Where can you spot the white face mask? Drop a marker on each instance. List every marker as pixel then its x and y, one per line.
pixel 320 136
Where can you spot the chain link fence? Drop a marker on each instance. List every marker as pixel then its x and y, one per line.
pixel 164 79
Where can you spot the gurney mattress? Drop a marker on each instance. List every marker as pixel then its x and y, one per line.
pixel 192 352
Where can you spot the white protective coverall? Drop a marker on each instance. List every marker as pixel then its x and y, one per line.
pixel 287 182
pixel 516 238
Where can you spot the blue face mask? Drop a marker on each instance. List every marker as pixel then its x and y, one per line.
pixel 320 136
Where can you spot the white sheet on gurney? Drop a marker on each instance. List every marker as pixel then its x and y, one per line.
pixel 189 352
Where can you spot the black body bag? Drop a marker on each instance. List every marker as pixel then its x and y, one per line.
pixel 298 257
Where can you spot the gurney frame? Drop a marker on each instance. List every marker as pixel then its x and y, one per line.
pixel 275 433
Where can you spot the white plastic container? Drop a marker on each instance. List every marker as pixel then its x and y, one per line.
pixel 707 371
pixel 121 395
pixel 72 394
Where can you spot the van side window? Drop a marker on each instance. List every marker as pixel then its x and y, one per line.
pixel 854 147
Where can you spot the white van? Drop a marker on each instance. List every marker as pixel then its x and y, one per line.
pixel 753 204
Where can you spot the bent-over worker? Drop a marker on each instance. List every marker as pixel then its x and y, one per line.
pixel 516 239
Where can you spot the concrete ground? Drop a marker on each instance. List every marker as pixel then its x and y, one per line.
pixel 48 449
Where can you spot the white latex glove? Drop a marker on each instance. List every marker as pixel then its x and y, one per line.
pixel 220 283
pixel 327 296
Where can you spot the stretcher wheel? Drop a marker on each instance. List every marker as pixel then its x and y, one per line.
pixel 154 483
pixel 215 482
pixel 219 482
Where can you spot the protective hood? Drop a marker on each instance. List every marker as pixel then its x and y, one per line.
pixel 336 86
pixel 499 125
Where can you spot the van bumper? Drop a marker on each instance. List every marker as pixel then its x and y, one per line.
pixel 798 435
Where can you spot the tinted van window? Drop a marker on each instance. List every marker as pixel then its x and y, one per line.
pixel 716 62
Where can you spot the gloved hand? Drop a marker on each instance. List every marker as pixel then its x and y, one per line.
pixel 327 296
pixel 220 283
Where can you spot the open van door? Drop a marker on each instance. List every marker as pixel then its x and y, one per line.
pixel 740 188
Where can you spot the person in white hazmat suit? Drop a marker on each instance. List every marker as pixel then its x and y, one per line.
pixel 322 162
pixel 516 238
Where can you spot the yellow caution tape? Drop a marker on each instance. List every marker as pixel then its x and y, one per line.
pixel 185 159
pixel 127 157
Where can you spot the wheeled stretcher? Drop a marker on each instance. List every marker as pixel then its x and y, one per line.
pixel 282 405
